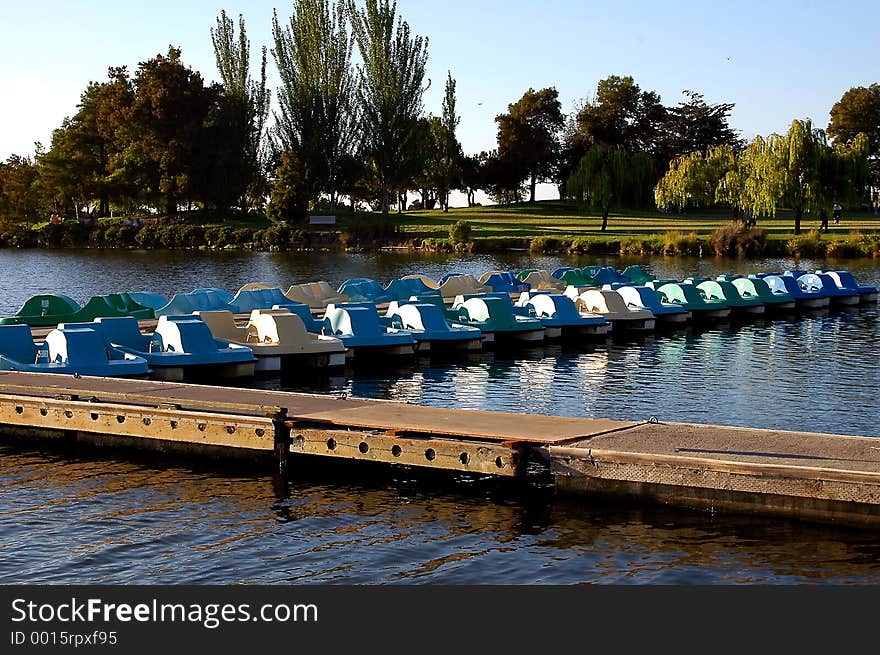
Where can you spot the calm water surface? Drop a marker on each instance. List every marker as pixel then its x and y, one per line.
pixel 82 516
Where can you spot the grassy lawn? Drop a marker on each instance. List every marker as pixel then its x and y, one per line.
pixel 563 218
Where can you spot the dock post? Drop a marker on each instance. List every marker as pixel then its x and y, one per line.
pixel 282 441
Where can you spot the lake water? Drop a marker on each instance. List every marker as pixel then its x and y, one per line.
pixel 83 516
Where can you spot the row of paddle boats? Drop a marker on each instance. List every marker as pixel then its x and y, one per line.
pixel 366 318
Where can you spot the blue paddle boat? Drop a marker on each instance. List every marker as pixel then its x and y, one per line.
pixel 200 300
pixel 803 298
pixel 70 350
pixel 504 282
pixel 247 300
pixel 357 325
pixel 825 283
pixel 846 280
pixel 428 325
pixel 405 288
pixel 560 317
pixel 364 290
pixel 181 347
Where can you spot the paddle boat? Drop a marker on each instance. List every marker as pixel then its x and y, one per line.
pixel 70 350
pixel 603 275
pixel 808 299
pixel 692 299
pixel 540 280
pixel 278 338
pixel 727 292
pixel 199 300
pixel 316 295
pixel 493 314
pixel 149 299
pixel 573 277
pixel 251 297
pixel 825 284
pixel 357 325
pixel 425 280
pixel 560 316
pixel 642 297
pixel 181 347
pixel 503 282
pixel 364 290
pixel 846 280
pixel 47 310
pixel 637 275
pixel 453 285
pixel 612 306
pixel 428 325
pixel 409 286
pixel 749 287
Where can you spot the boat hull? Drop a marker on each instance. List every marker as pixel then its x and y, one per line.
pixel 846 301
pixel 813 303
pixel 633 325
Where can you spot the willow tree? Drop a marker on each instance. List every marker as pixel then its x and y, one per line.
pixel 317 118
pixel 698 179
pixel 608 177
pixel 390 90
pixel 249 99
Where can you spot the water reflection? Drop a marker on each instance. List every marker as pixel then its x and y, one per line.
pixel 97 520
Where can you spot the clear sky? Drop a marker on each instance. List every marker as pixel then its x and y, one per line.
pixel 776 59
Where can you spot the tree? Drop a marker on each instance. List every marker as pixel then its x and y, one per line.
pixel 74 170
pixel 317 117
pixel 242 112
pixel 472 177
pixel 528 136
pixel 608 177
pixel 289 200
pixel 621 115
pixel 390 90
pixel 858 112
pixel 694 125
pixel 450 149
pixel 160 129
pixel 19 188
pixel 798 170
pixel 502 181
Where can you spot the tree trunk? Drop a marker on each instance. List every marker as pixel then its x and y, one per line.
pixel 446 202
pixel 532 185
pixel 604 220
pixel 170 207
pixel 384 199
pixel 798 212
pixel 402 207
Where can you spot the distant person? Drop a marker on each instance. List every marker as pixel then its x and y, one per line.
pixel 836 214
pixel 823 220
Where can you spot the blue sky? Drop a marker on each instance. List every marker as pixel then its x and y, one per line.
pixel 776 60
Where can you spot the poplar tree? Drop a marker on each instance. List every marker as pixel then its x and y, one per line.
pixel 317 118
pixel 390 90
pixel 249 99
pixel 450 149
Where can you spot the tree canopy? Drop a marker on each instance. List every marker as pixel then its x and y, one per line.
pixel 528 136
pixel 609 177
pixel 390 91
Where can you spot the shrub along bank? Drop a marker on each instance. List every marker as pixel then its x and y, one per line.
pixel 366 234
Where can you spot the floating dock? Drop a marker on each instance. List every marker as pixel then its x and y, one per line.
pixel 709 468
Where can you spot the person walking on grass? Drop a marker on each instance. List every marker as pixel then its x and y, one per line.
pixel 823 220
